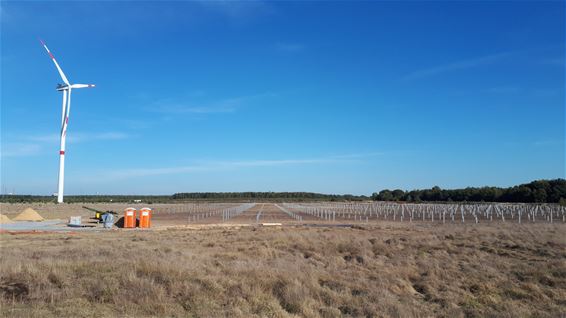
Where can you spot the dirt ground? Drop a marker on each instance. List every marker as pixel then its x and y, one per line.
pixel 188 214
pixel 64 211
pixel 377 270
pixel 262 213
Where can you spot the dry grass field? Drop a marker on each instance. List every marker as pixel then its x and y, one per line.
pixel 378 270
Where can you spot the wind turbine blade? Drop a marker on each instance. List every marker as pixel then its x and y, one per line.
pixel 56 64
pixel 64 108
pixel 68 110
pixel 82 85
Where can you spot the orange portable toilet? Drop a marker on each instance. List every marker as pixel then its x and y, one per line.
pixel 130 218
pixel 145 218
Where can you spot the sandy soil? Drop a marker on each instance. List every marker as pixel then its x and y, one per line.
pixel 202 215
pixel 267 212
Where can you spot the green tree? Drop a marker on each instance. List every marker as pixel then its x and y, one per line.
pixel 398 194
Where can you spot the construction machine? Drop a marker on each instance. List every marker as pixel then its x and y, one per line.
pixel 98 214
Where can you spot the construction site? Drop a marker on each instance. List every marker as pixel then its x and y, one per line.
pixel 52 217
pixel 282 260
pixel 275 260
pixel 282 159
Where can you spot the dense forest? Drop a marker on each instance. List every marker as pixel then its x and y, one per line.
pixel 195 196
pixel 268 195
pixel 549 191
pixel 86 198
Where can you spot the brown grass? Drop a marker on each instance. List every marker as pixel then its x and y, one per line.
pixel 386 270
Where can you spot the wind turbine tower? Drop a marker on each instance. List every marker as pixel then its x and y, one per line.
pixel 66 88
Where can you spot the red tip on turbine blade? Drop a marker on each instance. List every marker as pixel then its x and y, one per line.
pixel 62 152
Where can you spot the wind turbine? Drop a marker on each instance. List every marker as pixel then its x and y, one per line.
pixel 66 88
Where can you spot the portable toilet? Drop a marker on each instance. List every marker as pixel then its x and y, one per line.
pixel 130 218
pixel 145 218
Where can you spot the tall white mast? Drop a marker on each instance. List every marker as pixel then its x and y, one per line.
pixel 66 89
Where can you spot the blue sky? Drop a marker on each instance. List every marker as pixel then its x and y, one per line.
pixel 333 97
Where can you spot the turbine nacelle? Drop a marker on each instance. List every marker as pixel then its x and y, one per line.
pixel 61 87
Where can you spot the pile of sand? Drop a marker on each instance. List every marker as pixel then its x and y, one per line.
pixel 28 214
pixel 4 219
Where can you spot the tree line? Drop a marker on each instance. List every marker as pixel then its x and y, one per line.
pixel 540 191
pixel 9 198
pixel 296 196
pixel 178 197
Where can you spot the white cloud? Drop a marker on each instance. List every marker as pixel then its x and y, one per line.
pixel 549 143
pixel 20 149
pixel 111 135
pixel 454 66
pixel 503 90
pixel 226 165
pixel 547 92
pixel 226 105
pixel 237 10
pixel 80 137
pixel 559 61
pixel 289 47
pixel 34 145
